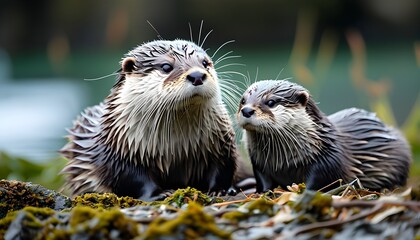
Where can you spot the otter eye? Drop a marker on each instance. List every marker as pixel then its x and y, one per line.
pixel 243 101
pixel 270 103
pixel 166 67
pixel 205 63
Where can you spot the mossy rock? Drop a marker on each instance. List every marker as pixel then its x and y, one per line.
pixel 261 206
pixel 105 201
pixel 80 223
pixel 192 223
pixel 24 224
pixel 313 202
pixel 189 194
pixel 15 195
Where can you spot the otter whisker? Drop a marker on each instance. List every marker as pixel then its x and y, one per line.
pixel 239 133
pixel 232 86
pixel 288 131
pixel 281 143
pixel 256 75
pixel 229 77
pixel 205 38
pixel 230 100
pixel 221 46
pixel 228 65
pixel 231 72
pixel 231 92
pixel 103 77
pixel 283 158
pixel 231 89
pixel 191 33
pixel 278 75
pixel 247 79
pixel 225 57
pixel 158 34
pixel 199 33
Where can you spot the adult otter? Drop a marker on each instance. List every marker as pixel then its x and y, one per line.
pixel 163 126
pixel 291 141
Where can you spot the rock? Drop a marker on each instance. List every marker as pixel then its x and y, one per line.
pixel 15 195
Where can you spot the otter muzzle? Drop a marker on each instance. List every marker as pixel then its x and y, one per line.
pixel 196 78
pixel 247 112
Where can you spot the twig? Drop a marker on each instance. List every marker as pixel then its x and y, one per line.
pixel 329 185
pixel 232 202
pixel 377 205
pixel 413 205
pixel 336 222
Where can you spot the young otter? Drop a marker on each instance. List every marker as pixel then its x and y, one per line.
pixel 163 126
pixel 291 141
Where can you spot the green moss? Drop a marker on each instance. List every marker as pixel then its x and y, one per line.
pixel 182 196
pixel 235 216
pixel 89 223
pixel 15 195
pixel 105 201
pixel 311 201
pixel 40 213
pixel 259 206
pixel 5 223
pixel 31 217
pixel 190 224
pixel 110 200
pixel 301 187
pixel 84 222
pixel 100 224
pixel 81 215
pixel 321 200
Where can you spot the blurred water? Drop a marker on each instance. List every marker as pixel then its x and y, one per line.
pixel 35 112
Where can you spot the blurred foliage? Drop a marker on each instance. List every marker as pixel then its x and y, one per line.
pixel 377 91
pixel 45 174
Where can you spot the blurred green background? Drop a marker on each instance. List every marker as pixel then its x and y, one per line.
pixel 362 54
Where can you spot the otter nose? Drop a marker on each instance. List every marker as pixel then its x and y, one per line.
pixel 247 112
pixel 196 78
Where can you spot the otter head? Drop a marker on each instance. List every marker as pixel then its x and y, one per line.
pixel 275 105
pixel 281 122
pixel 165 95
pixel 172 73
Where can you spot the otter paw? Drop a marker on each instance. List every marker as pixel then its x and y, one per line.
pixel 217 193
pixel 167 193
pixel 162 196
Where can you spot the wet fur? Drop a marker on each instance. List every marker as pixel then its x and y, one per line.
pixel 155 131
pixel 295 142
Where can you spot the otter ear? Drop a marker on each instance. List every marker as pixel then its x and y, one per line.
pixel 128 64
pixel 302 97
